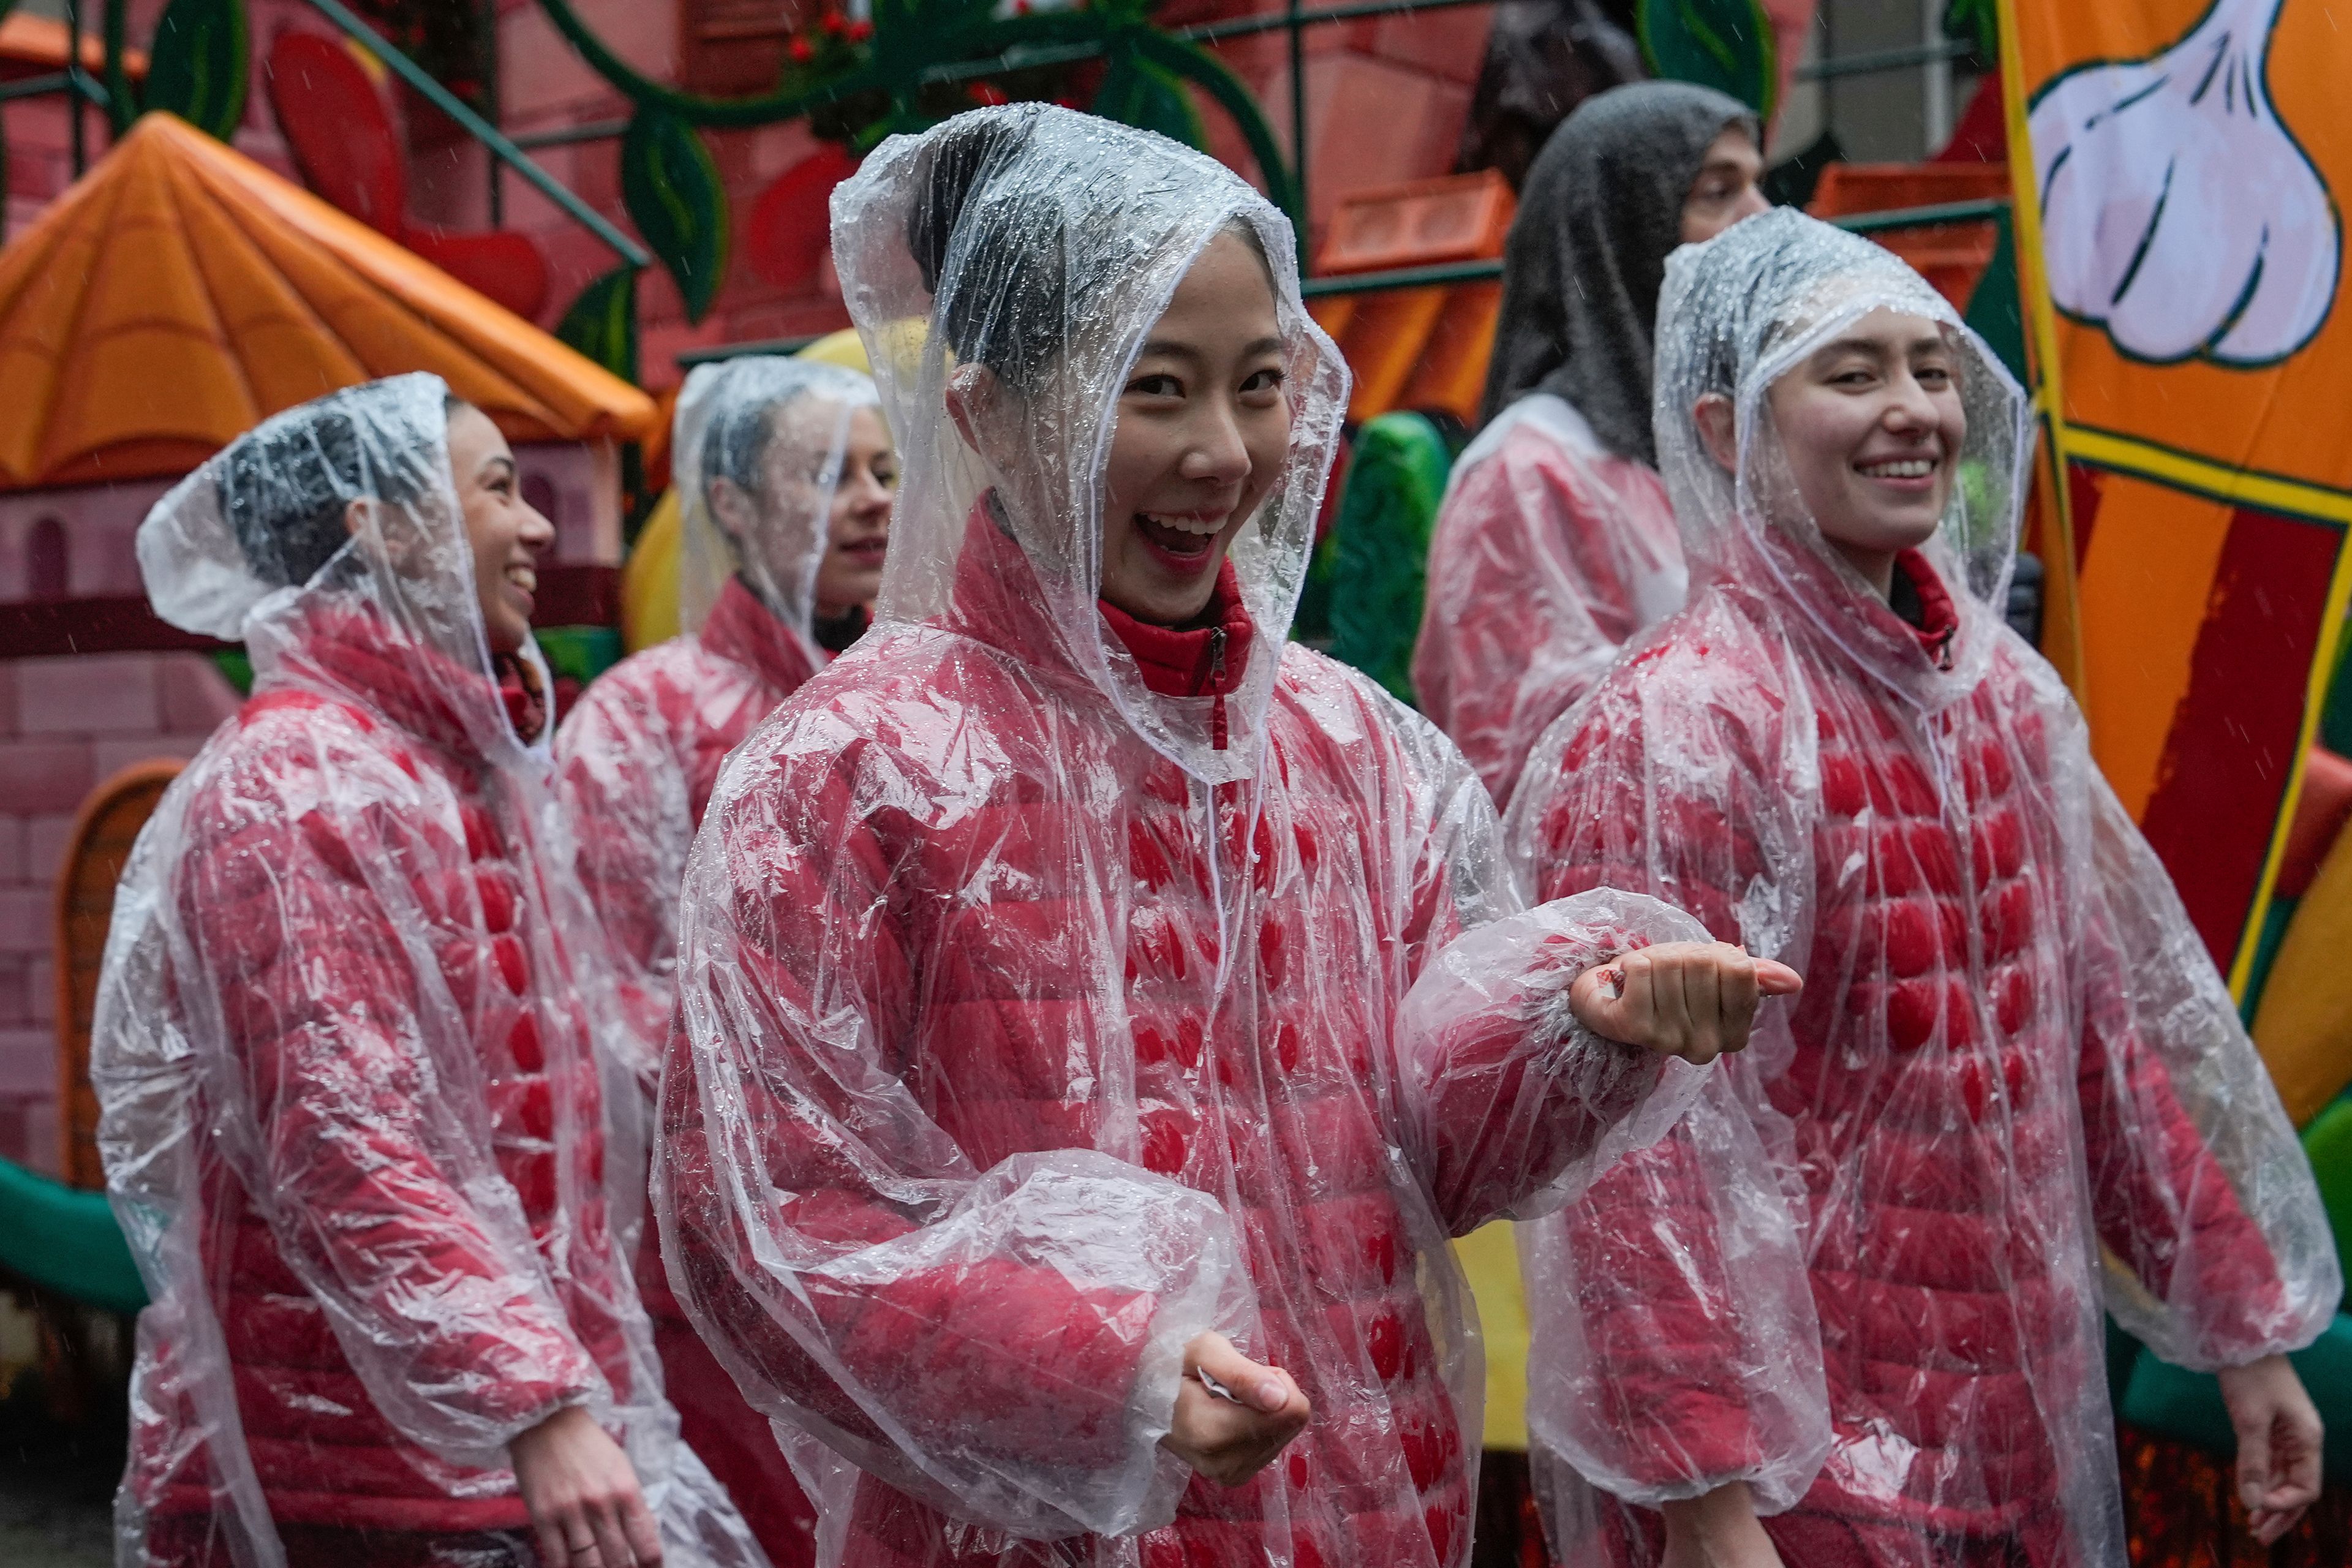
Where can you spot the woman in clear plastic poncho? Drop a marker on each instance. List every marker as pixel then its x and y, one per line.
pixel 2016 1092
pixel 351 1109
pixel 1051 1046
pixel 1556 542
pixel 786 477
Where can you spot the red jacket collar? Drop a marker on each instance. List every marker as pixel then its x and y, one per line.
pixel 998 601
pixel 1939 618
pixel 743 631
pixel 1204 661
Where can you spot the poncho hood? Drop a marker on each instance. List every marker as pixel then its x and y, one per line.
pixel 1745 310
pixel 1602 210
pixel 1045 245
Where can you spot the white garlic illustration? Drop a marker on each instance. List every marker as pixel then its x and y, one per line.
pixel 2176 210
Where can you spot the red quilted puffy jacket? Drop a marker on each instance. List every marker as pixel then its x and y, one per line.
pixel 1965 1098
pixel 637 759
pixel 958 928
pixel 332 826
pixel 635 762
pixel 1550 553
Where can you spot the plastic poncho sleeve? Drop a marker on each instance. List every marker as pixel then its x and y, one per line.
pixel 621 791
pixel 1005 1343
pixel 1531 592
pixel 373 1200
pixel 1513 1106
pixel 2218 1250
pixel 1683 1350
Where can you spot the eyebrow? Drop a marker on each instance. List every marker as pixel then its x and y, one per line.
pixel 494 461
pixel 1266 346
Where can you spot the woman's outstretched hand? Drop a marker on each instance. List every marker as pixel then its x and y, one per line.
pixel 583 1497
pixel 2278 1444
pixel 1230 1439
pixel 1695 1000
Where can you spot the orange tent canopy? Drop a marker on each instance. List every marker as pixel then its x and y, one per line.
pixel 180 293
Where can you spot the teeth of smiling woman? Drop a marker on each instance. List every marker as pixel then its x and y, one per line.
pixel 1201 525
pixel 1911 468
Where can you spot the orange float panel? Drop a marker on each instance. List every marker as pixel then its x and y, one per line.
pixel 180 293
pixel 1417 348
pixel 1423 223
pixel 1950 256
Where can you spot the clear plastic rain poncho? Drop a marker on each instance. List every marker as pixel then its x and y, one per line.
pixel 351 1101
pixel 639 754
pixel 1028 1032
pixel 1552 552
pixel 1556 544
pixel 2016 1091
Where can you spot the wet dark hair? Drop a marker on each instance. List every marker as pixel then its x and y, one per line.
pixel 284 491
pixel 736 442
pixel 1001 248
pixel 996 245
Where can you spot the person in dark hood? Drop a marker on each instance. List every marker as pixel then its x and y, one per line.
pixel 1556 543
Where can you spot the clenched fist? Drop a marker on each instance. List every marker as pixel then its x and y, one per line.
pixel 1695 1000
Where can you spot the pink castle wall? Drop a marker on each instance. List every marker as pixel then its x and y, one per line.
pixel 65 726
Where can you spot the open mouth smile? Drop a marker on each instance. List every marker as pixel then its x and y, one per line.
pixel 1182 541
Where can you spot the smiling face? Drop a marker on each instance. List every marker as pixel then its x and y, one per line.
pixel 858 530
pixel 1203 428
pixel 1871 425
pixel 1726 190
pixel 507 534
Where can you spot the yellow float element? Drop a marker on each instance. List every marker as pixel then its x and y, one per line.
pixel 649 580
pixel 1490 1257
pixel 2305 1018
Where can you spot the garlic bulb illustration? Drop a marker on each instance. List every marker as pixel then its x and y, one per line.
pixel 2177 209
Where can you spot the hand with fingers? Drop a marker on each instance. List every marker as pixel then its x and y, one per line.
pixel 1695 1000
pixel 2278 1443
pixel 1232 1414
pixel 583 1497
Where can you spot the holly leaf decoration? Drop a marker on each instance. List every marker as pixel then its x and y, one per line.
pixel 670 186
pixel 1726 45
pixel 602 323
pixel 198 69
pixel 1142 93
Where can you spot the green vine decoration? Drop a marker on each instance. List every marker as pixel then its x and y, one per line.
pixel 914 43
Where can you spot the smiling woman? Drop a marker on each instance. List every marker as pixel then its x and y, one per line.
pixel 504 531
pixel 1870 426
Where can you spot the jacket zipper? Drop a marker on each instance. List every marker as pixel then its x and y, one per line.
pixel 1217 681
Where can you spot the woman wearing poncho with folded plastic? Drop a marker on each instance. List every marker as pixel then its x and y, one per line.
pixel 1096 1014
pixel 1858 1292
pixel 785 478
pixel 1556 543
pixel 354 1103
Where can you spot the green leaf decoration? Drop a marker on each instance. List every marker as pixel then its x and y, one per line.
pixel 1142 93
pixel 1976 23
pixel 1723 44
pixel 198 69
pixel 670 186
pixel 1379 558
pixel 602 322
